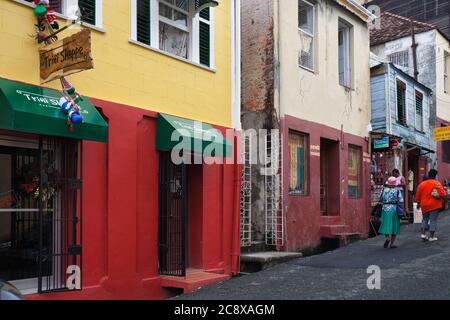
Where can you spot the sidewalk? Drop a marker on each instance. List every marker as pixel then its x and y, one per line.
pixel 416 270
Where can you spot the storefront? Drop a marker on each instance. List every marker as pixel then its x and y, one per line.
pixel 41 186
pixel 117 216
pixel 391 152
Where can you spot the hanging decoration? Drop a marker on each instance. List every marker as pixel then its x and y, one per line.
pixel 46 22
pixel 47 29
pixel 69 104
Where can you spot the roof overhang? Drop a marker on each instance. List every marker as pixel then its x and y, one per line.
pixel 359 10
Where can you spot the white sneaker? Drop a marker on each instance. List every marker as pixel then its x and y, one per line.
pixel 433 239
pixel 424 237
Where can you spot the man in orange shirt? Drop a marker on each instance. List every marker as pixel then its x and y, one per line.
pixel 429 197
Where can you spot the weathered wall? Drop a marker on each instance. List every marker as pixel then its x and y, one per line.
pixel 443 98
pixel 317 96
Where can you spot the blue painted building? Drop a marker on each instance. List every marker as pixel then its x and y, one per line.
pixel 401 128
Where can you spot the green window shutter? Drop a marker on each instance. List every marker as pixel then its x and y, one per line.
pixel 143 21
pixel 205 39
pixel 300 169
pixel 87 9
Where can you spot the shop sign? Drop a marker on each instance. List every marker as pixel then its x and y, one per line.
pixel 65 57
pixel 382 143
pixel 442 134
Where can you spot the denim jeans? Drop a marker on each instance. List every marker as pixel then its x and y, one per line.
pixel 430 221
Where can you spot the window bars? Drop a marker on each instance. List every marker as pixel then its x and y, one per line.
pixel 273 189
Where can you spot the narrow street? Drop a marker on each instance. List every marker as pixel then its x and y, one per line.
pixel 415 270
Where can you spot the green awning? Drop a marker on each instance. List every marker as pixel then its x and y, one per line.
pixel 34 109
pixel 191 136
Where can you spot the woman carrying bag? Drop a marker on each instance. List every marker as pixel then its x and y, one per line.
pixel 392 201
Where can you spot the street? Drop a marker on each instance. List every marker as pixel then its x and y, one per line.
pixel 415 270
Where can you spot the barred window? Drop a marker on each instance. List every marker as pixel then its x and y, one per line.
pixel 419 111
pixel 400 59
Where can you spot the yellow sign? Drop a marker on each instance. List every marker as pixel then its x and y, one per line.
pixel 70 55
pixel 442 134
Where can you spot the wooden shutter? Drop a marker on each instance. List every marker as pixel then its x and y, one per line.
pixel 205 38
pixel 401 102
pixel 143 21
pixel 87 9
pixel 56 5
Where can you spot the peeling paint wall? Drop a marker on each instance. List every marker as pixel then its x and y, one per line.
pixel 317 96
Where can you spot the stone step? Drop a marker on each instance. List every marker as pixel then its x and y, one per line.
pixel 258 261
pixel 330 230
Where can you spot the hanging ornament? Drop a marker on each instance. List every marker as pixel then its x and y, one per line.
pixel 69 104
pixel 46 22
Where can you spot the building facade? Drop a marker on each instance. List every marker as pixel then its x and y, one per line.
pixel 428 60
pixel 308 77
pixel 402 134
pixel 126 220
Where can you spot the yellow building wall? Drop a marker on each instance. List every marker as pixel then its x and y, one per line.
pixel 124 72
pixel 317 96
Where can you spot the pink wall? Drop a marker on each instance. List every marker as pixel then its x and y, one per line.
pixel 443 168
pixel 302 213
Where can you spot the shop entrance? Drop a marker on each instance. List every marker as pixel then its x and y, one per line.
pixel 172 217
pixel 329 178
pixel 180 217
pixel 40 193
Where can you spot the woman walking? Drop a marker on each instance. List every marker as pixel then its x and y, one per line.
pixel 391 198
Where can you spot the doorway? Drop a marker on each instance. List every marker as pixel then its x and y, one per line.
pixel 329 178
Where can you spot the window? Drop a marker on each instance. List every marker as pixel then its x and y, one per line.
pixel 298 153
pixel 173 26
pixel 400 59
pixel 446 71
pixel 401 102
pixel 344 54
pixel 354 172
pixel 419 111
pixel 306 20
pixel 91 10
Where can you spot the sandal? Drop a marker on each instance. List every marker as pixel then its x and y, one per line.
pixel 386 244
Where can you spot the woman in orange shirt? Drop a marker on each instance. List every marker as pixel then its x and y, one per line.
pixel 429 197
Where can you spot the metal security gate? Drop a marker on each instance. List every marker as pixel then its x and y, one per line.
pixel 172 217
pixel 41 221
pixel 60 204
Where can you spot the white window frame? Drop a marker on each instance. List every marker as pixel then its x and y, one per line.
pixel 194 30
pixel 66 14
pixel 346 29
pixel 400 55
pixel 423 109
pixel 313 35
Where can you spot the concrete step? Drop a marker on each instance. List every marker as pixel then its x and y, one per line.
pixel 330 220
pixel 258 261
pixel 330 230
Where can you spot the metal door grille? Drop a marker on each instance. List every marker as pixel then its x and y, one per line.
pixel 172 217
pixel 273 189
pixel 246 193
pixel 60 228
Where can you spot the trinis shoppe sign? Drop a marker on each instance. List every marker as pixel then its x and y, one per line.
pixel 65 57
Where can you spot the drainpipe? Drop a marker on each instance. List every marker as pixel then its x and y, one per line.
pixel 235 240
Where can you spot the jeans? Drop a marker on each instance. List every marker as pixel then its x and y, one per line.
pixel 430 221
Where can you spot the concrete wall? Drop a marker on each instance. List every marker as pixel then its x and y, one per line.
pixel 443 99
pixel 318 96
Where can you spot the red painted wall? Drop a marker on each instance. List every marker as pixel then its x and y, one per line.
pixel 302 213
pixel 120 211
pixel 443 168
